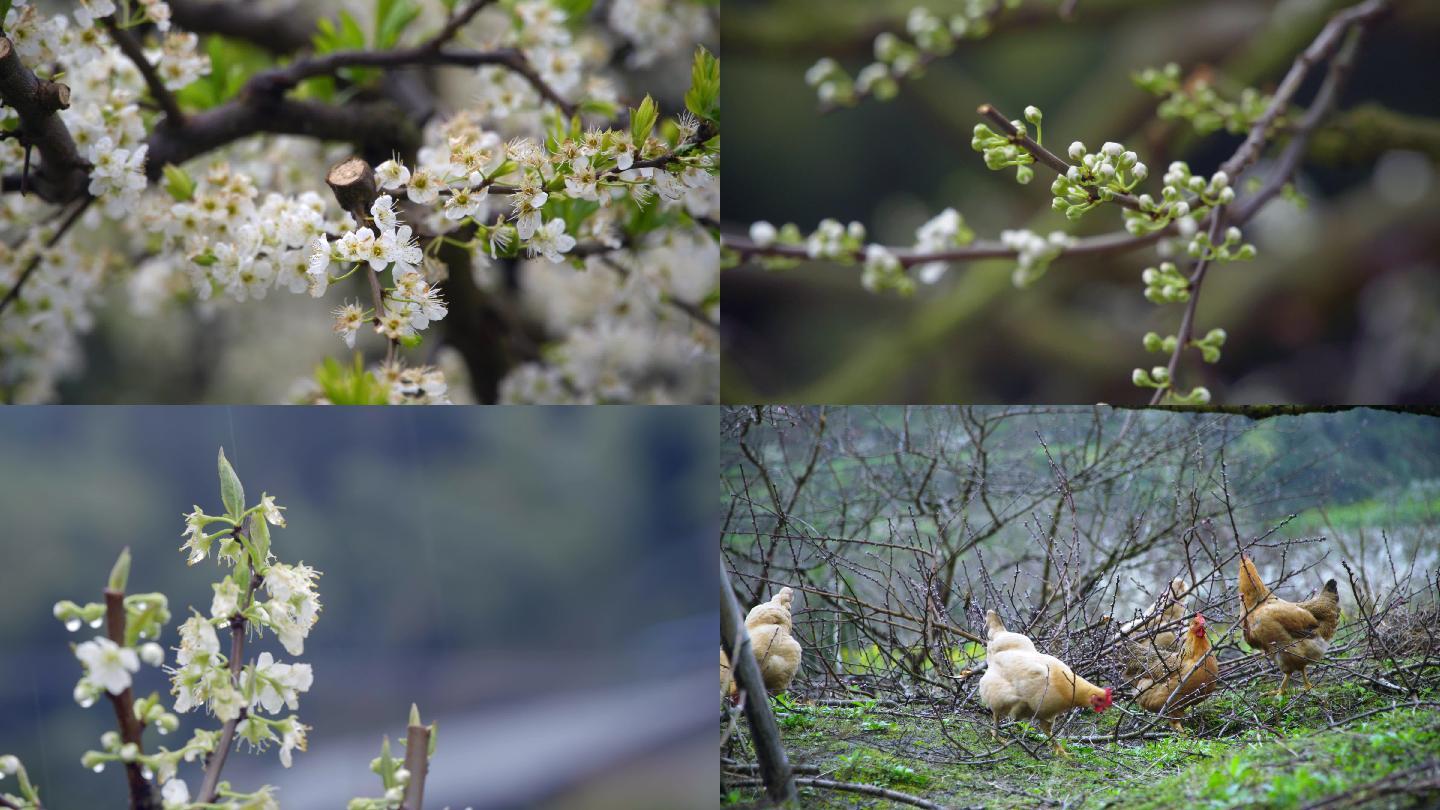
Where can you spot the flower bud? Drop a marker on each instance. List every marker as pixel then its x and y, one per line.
pixel 94 760
pixel 762 233
pixel 1112 149
pixel 1077 150
pixel 152 654
pixel 1140 171
pixel 1220 180
pixel 1033 115
pixel 9 764
pixel 129 752
pixel 1232 234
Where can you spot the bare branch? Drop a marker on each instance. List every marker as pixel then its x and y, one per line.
pixel 142 790
pixel 62 172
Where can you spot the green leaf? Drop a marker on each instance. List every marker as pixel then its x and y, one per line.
pixel 179 183
pixel 392 17
pixel 231 493
pixel 348 36
pixel 120 574
pixel 259 542
pixel 350 386
pixel 574 9
pixel 703 97
pixel 642 121
pixel 241 575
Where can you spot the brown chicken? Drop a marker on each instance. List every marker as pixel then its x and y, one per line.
pixel 727 680
pixel 1025 684
pixel 1139 644
pixel 771 637
pixel 1292 634
pixel 1190 674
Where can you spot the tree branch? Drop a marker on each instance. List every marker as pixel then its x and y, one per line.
pixel 142 791
pixel 210 785
pixel 279 31
pixel 373 123
pixel 1323 46
pixel 1117 242
pixel 430 52
pixel 1187 321
pixel 1242 212
pixel 417 761
pixel 1045 156
pixel 130 46
pixel 63 172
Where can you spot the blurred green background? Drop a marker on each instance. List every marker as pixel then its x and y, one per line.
pixel 529 576
pixel 1343 304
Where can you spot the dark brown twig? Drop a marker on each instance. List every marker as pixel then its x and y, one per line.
pixel 1045 156
pixel 417 761
pixel 142 790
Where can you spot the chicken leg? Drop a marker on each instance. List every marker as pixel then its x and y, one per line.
pixel 1306 676
pixel 1285 678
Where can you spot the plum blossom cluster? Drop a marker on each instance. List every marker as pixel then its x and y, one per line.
pixel 637 325
pixel 659 29
pixel 930 36
pixel 411 303
pixel 1002 151
pixel 1034 253
pixel 29 796
pixel 238 693
pixel 1200 103
pixel 232 243
pixel 253 697
pixel 573 62
pixel 530 169
pixel 41 337
pixel 1185 200
pixel 1097 178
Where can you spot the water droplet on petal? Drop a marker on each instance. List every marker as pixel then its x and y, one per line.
pixel 72 624
pixel 99 766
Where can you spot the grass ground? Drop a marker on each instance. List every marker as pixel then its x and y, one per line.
pixel 1241 749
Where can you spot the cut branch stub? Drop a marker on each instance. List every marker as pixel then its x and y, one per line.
pixel 53 95
pixel 353 182
pixel 417 761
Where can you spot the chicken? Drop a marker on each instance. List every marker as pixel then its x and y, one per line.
pixel 1292 634
pixel 770 627
pixel 1190 674
pixel 1022 683
pixel 727 681
pixel 1140 645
